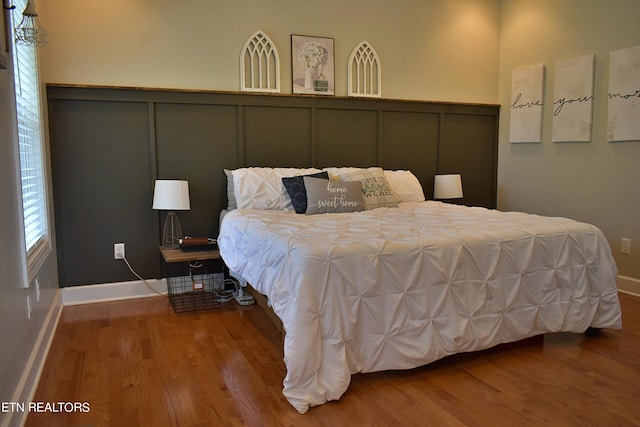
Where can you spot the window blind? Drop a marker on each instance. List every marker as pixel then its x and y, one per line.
pixel 29 121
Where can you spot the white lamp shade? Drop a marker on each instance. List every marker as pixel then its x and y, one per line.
pixel 447 187
pixel 171 195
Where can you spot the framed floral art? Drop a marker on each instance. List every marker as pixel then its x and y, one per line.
pixel 312 65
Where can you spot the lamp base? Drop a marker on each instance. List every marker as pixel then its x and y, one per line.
pixel 171 232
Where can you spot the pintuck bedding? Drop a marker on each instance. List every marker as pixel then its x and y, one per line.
pixel 397 288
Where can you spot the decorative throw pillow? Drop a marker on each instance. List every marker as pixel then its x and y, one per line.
pixel 375 188
pixel 262 188
pixel 297 191
pixel 325 196
pixel 405 185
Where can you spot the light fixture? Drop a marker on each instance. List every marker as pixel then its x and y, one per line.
pixel 5 8
pixel 447 186
pixel 29 32
pixel 171 195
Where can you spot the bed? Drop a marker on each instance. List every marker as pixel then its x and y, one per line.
pixel 400 286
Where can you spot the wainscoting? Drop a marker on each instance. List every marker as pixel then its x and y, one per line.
pixel 109 144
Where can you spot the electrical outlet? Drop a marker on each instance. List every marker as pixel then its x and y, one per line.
pixel 28 307
pixel 37 290
pixel 625 245
pixel 118 251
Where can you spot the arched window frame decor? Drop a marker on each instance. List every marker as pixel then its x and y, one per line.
pixel 259 65
pixel 365 72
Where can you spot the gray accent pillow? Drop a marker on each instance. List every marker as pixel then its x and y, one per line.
pixel 333 196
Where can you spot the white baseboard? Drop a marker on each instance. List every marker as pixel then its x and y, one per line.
pixel 30 378
pixel 629 285
pixel 74 295
pixel 88 294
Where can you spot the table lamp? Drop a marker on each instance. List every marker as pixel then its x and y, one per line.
pixel 447 186
pixel 171 195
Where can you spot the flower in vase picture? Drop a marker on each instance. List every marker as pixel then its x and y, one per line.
pixel 312 65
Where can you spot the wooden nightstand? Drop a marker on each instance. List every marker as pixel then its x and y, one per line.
pixel 193 278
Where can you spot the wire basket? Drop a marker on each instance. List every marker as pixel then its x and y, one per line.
pixel 194 285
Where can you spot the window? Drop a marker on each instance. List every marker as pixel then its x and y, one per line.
pixel 31 149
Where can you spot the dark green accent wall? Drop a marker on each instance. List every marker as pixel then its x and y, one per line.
pixel 108 145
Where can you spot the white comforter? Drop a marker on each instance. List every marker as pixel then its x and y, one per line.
pixel 399 288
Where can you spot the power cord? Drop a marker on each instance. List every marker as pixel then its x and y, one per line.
pixel 223 295
pixel 242 298
pixel 141 278
pixel 238 293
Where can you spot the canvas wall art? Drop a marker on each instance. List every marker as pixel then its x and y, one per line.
pixel 624 95
pixel 527 87
pixel 573 99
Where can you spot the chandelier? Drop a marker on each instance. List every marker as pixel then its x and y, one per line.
pixel 29 32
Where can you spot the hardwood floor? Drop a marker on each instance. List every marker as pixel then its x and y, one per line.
pixel 137 363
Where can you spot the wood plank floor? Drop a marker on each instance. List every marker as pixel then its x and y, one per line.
pixel 137 363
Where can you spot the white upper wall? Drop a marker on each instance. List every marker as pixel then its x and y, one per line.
pixel 439 50
pixel 597 181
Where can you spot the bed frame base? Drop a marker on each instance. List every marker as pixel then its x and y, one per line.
pixel 592 332
pixel 262 301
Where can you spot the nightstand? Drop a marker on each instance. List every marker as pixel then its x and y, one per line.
pixel 193 278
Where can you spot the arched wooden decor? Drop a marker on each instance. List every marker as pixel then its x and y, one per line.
pixel 365 74
pixel 259 65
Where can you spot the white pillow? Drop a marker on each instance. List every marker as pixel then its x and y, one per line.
pixel 405 185
pixel 335 172
pixel 262 188
pixel 375 188
pixel 231 198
